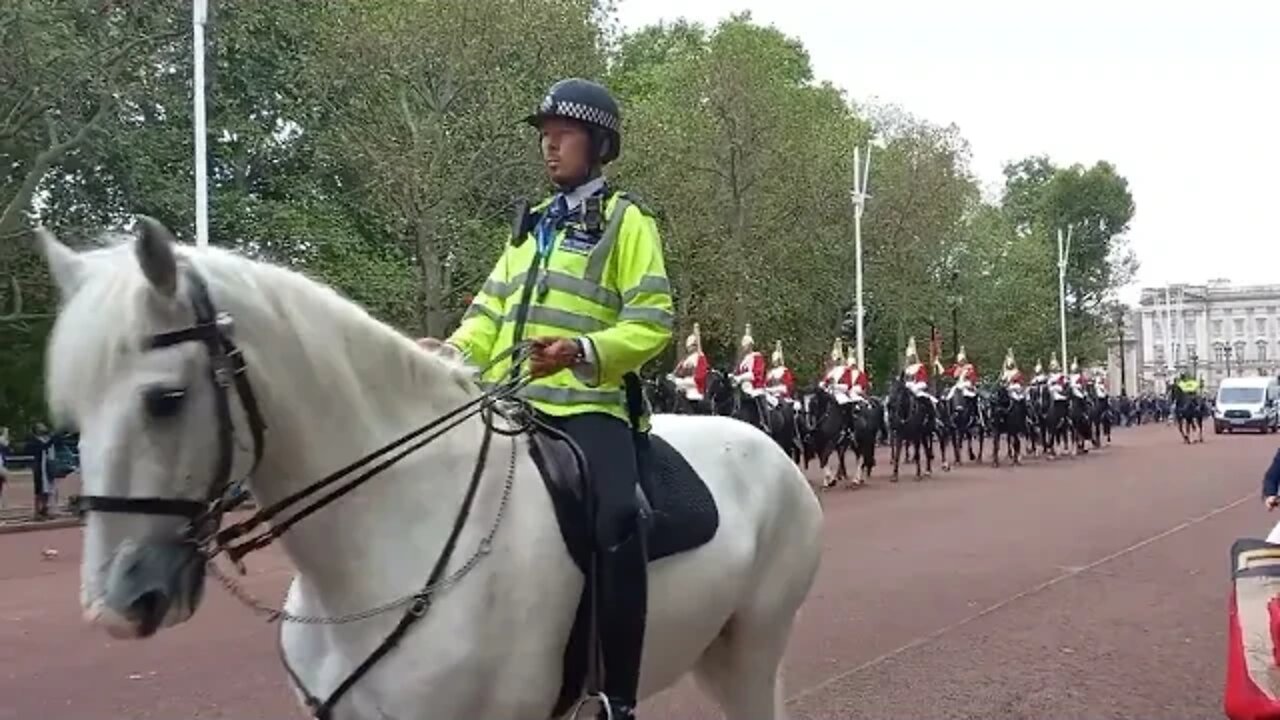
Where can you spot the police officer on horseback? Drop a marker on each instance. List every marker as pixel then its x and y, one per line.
pixel 584 282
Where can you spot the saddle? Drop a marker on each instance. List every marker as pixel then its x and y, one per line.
pixel 678 514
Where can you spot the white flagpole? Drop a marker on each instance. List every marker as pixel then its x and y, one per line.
pixel 860 174
pixel 1064 251
pixel 199 15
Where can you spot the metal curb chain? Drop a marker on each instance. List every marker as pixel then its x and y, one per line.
pixel 484 548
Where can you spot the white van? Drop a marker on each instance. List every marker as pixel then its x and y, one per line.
pixel 1247 402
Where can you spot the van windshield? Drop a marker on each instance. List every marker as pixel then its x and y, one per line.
pixel 1239 396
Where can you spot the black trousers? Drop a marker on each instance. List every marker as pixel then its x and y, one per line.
pixel 609 448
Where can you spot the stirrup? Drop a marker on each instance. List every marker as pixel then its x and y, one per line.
pixel 605 709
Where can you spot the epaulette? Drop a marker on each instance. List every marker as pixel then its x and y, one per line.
pixel 639 203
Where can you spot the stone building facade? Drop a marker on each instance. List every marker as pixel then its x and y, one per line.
pixel 1212 330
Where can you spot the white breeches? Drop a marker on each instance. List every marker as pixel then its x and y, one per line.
pixel 687 387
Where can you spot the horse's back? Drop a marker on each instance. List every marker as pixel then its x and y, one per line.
pixel 759 566
pixel 743 467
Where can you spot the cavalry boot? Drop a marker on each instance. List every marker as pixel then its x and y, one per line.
pixel 624 595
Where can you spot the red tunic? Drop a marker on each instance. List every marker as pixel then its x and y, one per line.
pixel 846 377
pixel 921 374
pixel 695 366
pixel 753 363
pixel 970 372
pixel 782 376
pixel 859 378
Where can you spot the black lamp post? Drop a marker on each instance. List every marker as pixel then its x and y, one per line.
pixel 1120 351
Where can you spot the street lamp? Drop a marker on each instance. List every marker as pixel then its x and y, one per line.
pixel 859 196
pixel 1064 251
pixel 200 16
pixel 954 301
pixel 1120 351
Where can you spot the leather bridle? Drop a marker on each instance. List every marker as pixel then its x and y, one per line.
pixel 227 371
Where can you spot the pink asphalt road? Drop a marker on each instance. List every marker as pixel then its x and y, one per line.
pixel 1089 587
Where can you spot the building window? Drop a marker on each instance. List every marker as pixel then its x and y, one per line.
pixel 1218 354
pixel 1239 351
pixel 1262 350
pixel 1190 328
pixel 1239 326
pixel 1157 330
pixel 1217 328
pixel 1177 352
pixel 1262 325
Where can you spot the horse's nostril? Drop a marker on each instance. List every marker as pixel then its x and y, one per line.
pixel 149 610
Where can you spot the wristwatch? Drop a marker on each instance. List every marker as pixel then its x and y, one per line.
pixel 582 352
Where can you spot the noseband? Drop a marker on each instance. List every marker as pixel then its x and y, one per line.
pixel 226 372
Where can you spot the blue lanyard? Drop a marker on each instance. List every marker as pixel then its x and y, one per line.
pixel 546 236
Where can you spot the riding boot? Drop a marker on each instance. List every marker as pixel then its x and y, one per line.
pixel 624 596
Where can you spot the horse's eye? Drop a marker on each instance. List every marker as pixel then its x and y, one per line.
pixel 163 402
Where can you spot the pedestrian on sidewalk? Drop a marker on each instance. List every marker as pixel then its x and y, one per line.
pixel 41 450
pixel 4 454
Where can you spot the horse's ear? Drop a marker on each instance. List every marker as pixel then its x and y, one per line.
pixel 154 249
pixel 65 265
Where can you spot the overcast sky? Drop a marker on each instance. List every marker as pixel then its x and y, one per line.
pixel 1184 98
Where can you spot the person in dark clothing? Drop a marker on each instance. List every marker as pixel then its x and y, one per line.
pixel 1271 484
pixel 40 447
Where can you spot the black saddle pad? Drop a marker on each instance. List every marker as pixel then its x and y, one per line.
pixel 680 512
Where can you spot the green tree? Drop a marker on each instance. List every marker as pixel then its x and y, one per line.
pixel 420 102
pixel 745 158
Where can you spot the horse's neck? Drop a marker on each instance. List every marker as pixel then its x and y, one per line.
pixel 327 409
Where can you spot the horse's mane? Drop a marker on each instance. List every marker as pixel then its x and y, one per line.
pixel 114 309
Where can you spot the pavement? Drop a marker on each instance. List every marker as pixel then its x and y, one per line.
pixel 1087 587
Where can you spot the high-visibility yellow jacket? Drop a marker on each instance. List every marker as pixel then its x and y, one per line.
pixel 1190 386
pixel 612 292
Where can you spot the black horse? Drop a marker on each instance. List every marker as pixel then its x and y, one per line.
pixel 784 427
pixel 1099 418
pixel 966 421
pixel 1051 418
pixel 1189 410
pixel 1081 428
pixel 911 420
pixel 1008 419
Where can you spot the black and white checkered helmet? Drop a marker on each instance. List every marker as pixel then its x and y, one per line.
pixel 587 102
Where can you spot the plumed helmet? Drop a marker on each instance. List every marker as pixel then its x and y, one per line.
pixel 1075 365
pixel 1053 362
pixel 911 349
pixel 777 352
pixel 586 102
pixel 694 341
pixel 960 356
pixel 1039 367
pixel 747 340
pixel 837 351
pixel 1008 360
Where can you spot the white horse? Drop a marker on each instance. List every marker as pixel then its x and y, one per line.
pixel 332 385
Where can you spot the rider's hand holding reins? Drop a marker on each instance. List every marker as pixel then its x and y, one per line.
pixel 548 356
pixel 1271 502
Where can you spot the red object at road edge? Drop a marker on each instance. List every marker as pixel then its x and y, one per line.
pixel 1243 697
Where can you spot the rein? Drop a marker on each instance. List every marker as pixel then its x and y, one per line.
pixel 228 371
